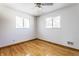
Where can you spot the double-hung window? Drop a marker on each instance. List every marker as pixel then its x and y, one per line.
pixel 53 22
pixel 56 22
pixel 26 23
pixel 49 22
pixel 22 22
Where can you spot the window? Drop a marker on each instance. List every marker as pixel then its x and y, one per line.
pixel 22 22
pixel 53 22
pixel 49 22
pixel 26 23
pixel 19 22
pixel 56 22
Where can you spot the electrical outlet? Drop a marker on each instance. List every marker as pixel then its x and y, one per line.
pixel 13 40
pixel 70 43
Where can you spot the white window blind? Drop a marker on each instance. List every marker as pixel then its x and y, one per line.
pixel 22 22
pixel 26 23
pixel 19 22
pixel 56 22
pixel 53 22
pixel 49 22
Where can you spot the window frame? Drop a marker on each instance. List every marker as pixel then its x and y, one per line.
pixel 47 22
pixel 55 23
pixel 22 22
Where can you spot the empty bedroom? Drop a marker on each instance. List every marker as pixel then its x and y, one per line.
pixel 39 29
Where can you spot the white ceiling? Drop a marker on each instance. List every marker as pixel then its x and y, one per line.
pixel 35 11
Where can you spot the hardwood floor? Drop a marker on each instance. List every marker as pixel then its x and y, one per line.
pixel 37 48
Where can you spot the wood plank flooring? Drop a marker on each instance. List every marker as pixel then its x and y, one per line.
pixel 37 48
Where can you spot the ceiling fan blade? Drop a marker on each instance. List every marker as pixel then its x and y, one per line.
pixel 46 4
pixel 42 4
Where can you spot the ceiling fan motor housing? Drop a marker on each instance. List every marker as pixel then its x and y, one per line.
pixel 43 4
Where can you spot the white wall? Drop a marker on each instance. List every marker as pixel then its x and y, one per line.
pixel 8 32
pixel 69 30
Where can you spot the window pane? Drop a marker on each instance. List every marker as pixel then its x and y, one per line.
pixel 56 22
pixel 19 22
pixel 26 23
pixel 49 23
